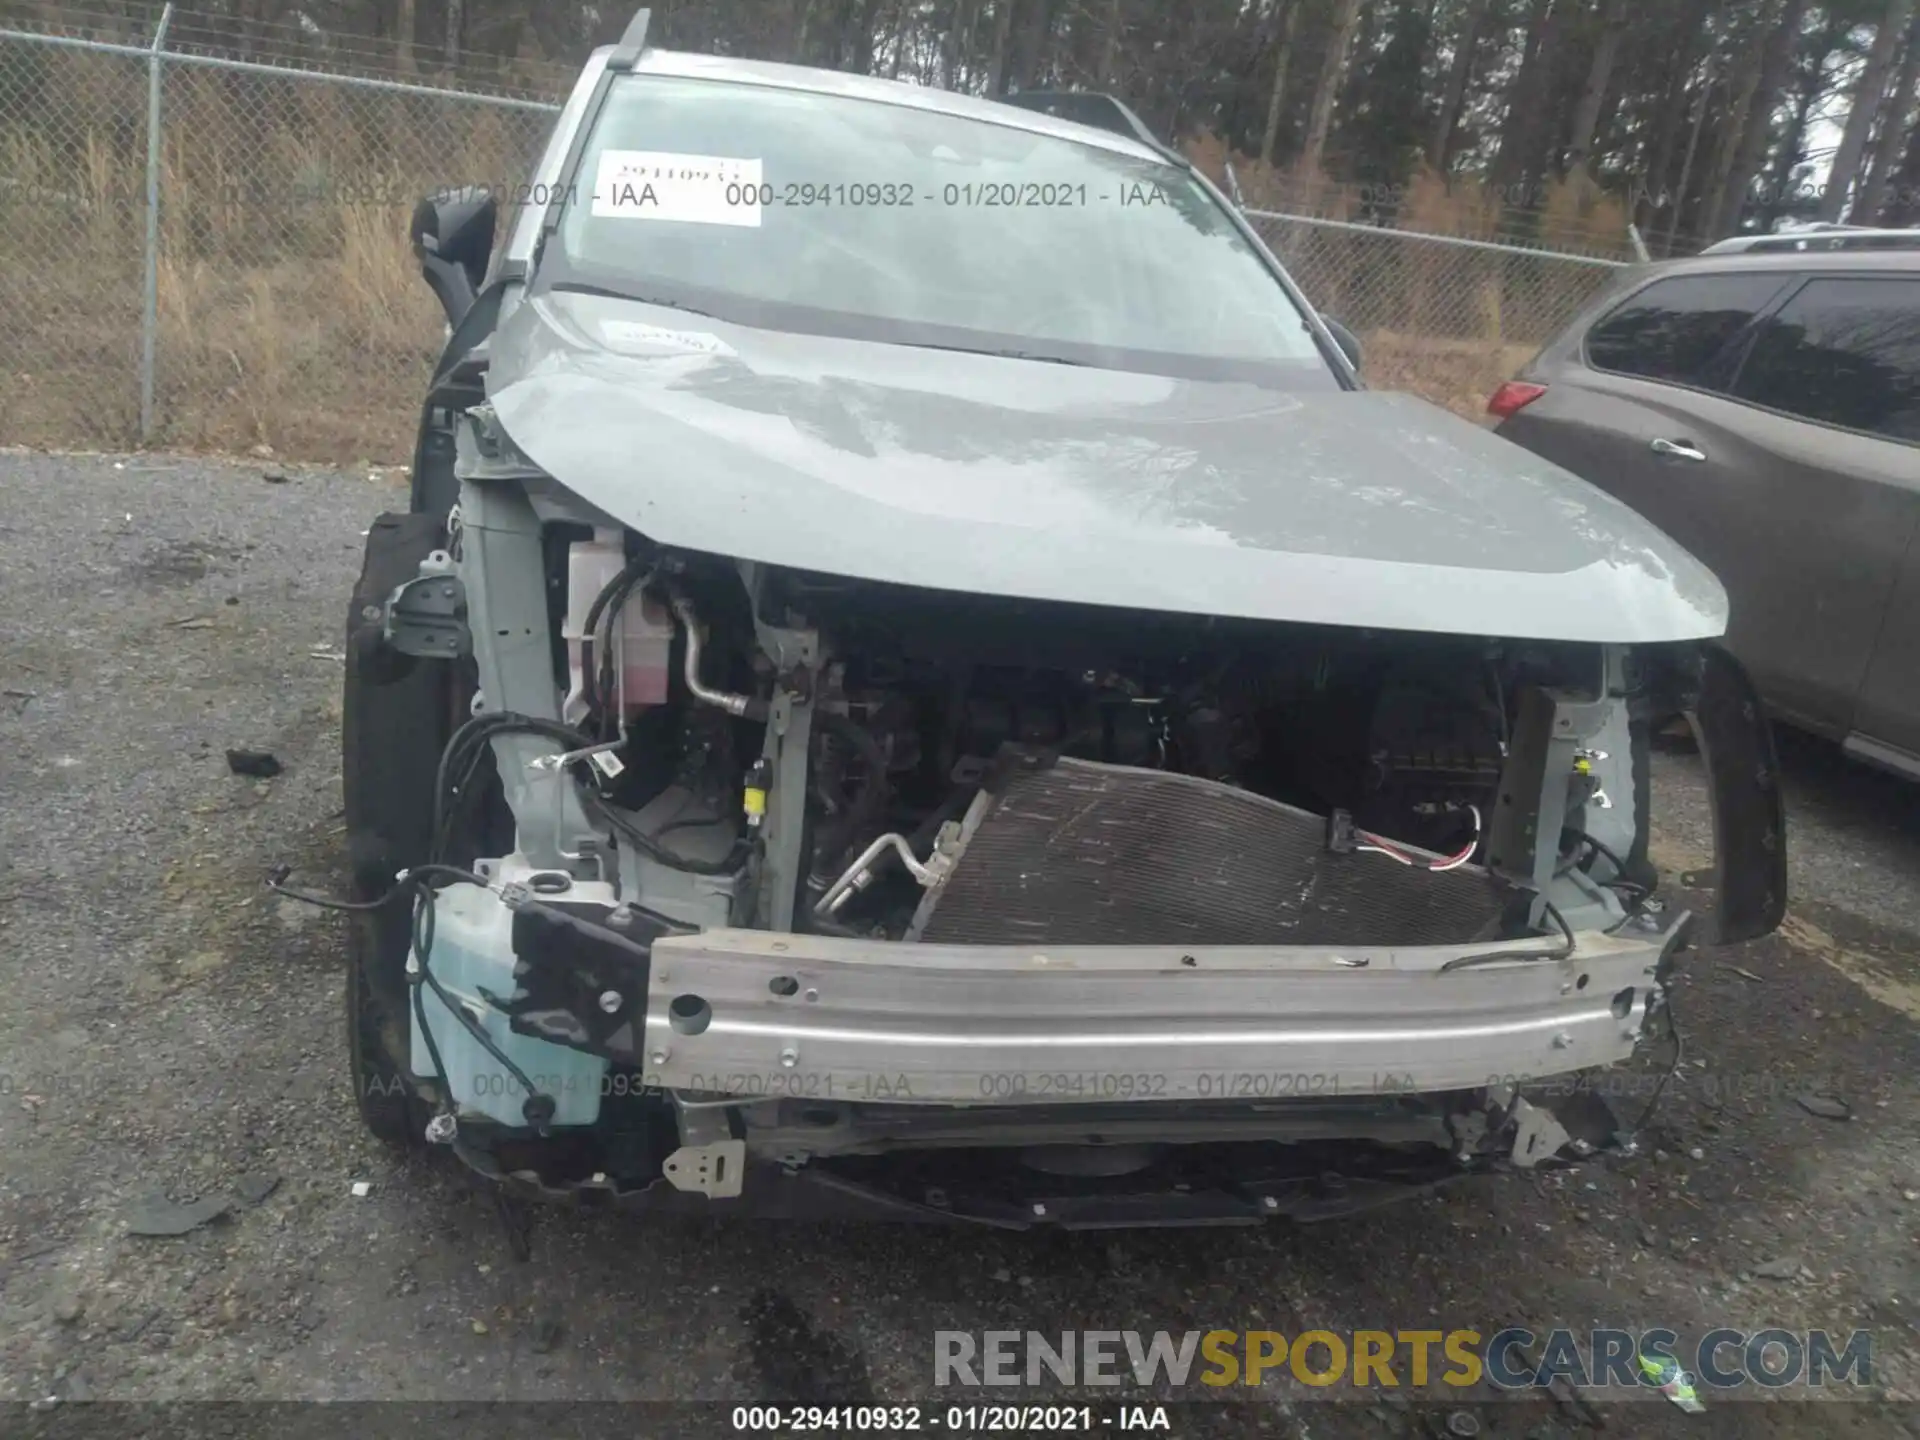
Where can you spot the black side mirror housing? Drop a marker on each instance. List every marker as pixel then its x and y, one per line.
pixel 1348 342
pixel 452 236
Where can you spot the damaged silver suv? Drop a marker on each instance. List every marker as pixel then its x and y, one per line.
pixel 916 682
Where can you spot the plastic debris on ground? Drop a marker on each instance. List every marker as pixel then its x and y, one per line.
pixel 157 1215
pixel 1673 1382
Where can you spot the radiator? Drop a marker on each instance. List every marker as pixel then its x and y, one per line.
pixel 1071 852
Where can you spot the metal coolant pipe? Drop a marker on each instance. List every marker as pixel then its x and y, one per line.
pixel 724 699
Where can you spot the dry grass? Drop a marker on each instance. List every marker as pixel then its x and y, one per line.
pixel 1571 215
pixel 290 310
pixel 1444 321
pixel 1459 374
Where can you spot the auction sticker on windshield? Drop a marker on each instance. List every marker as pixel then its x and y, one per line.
pixel 693 189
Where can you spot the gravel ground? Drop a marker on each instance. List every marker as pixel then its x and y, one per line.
pixel 173 1028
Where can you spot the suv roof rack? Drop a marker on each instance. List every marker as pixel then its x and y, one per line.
pixel 1817 237
pixel 1087 107
pixel 633 41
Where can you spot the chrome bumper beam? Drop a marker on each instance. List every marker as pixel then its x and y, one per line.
pixel 749 1012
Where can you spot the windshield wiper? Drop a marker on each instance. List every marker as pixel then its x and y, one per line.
pixel 996 354
pixel 581 287
pixel 614 292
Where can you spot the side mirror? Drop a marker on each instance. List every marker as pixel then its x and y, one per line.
pixel 452 237
pixel 1348 342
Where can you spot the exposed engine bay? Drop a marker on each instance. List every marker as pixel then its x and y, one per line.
pixel 1107 778
pixel 935 898
pixel 934 716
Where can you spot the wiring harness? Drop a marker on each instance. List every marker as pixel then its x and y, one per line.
pixel 1371 844
pixel 455 781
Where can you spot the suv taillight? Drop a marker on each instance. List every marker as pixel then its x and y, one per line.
pixel 1513 397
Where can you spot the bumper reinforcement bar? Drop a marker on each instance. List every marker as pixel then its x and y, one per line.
pixel 746 1012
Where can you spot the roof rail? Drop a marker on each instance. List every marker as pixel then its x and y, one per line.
pixel 1087 107
pixel 633 41
pixel 1821 237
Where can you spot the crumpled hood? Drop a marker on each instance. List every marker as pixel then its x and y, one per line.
pixel 1054 482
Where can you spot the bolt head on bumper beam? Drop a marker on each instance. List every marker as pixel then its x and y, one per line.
pixel 748 1012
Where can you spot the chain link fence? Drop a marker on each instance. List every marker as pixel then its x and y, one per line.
pixel 274 289
pixel 271 298
pixel 72 215
pixel 1445 317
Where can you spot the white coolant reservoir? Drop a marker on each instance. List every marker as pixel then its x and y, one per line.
pixel 640 635
pixel 472 957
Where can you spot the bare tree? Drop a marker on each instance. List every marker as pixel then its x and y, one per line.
pixel 1606 53
pixel 1002 31
pixel 1681 37
pixel 1896 120
pixel 1904 207
pixel 403 37
pixel 1332 68
pixel 1684 188
pixel 1033 44
pixel 1743 100
pixel 853 46
pixel 1750 151
pixel 1282 58
pixel 1110 44
pixel 802 23
pixel 1522 142
pixel 959 33
pixel 897 42
pixel 1459 76
pixel 1807 86
pixel 1867 98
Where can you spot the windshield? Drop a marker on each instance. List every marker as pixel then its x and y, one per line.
pixel 828 213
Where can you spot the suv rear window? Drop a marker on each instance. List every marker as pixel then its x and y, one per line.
pixel 1674 329
pixel 1843 352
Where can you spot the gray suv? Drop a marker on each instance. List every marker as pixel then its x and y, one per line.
pixel 1761 404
